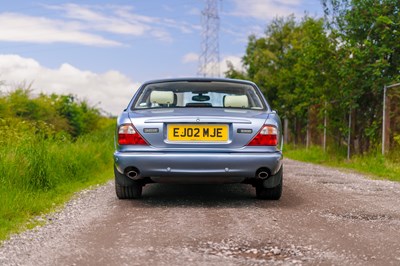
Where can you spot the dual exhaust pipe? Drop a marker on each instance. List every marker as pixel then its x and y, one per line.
pixel 133 173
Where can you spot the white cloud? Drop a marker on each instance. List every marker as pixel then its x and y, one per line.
pixel 112 19
pixel 111 91
pixel 235 60
pixel 266 9
pixel 23 28
pixel 87 25
pixel 121 20
pixel 190 58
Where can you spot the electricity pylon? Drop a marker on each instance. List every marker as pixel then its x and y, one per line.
pixel 209 56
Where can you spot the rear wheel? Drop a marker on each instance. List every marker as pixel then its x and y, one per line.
pixel 128 192
pixel 274 193
pixel 127 188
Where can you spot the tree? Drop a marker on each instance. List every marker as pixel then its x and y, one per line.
pixel 81 117
pixel 292 64
pixel 49 114
pixel 368 33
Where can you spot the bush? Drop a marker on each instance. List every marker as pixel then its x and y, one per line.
pixel 50 147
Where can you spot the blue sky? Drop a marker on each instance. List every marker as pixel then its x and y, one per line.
pixel 102 50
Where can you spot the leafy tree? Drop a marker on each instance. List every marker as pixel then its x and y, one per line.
pixel 292 65
pixel 332 67
pixel 368 33
pixel 48 115
pixel 81 118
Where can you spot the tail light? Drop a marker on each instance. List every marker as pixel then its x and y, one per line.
pixel 267 136
pixel 128 135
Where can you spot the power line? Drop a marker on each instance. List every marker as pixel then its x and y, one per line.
pixel 209 56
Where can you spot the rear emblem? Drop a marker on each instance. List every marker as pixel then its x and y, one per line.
pixel 198 120
pixel 151 130
pixel 244 130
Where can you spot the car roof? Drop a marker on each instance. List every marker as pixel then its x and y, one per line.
pixel 200 79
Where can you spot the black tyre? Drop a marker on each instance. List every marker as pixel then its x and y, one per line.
pixel 274 193
pixel 127 188
pixel 128 192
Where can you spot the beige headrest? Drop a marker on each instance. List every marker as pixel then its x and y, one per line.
pixel 162 97
pixel 238 101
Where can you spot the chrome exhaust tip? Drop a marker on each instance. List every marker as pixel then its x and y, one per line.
pixel 132 173
pixel 262 175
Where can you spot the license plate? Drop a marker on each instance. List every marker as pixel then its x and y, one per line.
pixel 200 133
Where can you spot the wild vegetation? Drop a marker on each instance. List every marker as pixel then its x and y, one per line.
pixel 372 164
pixel 326 75
pixel 50 147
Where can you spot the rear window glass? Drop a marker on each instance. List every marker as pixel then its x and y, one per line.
pixel 183 94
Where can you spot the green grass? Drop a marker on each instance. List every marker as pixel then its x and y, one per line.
pixel 373 164
pixel 40 173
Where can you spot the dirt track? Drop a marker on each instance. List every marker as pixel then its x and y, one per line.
pixel 324 217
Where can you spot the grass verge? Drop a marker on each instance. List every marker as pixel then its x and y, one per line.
pixel 40 173
pixel 374 164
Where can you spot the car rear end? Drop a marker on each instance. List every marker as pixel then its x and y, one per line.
pixel 198 131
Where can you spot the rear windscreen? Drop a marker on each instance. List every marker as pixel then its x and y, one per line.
pixel 183 94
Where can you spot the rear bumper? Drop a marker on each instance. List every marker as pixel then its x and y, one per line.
pixel 197 167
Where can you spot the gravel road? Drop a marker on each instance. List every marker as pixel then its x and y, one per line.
pixel 325 216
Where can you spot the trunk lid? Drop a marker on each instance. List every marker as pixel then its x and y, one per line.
pixel 198 128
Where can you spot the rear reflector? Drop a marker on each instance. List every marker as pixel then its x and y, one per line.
pixel 127 135
pixel 267 136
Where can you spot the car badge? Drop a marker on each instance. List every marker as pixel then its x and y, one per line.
pixel 150 130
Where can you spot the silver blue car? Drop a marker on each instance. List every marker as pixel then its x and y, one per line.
pixel 196 131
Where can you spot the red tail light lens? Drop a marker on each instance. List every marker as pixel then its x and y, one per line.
pixel 267 136
pixel 127 135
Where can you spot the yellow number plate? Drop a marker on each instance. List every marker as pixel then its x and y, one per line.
pixel 211 133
